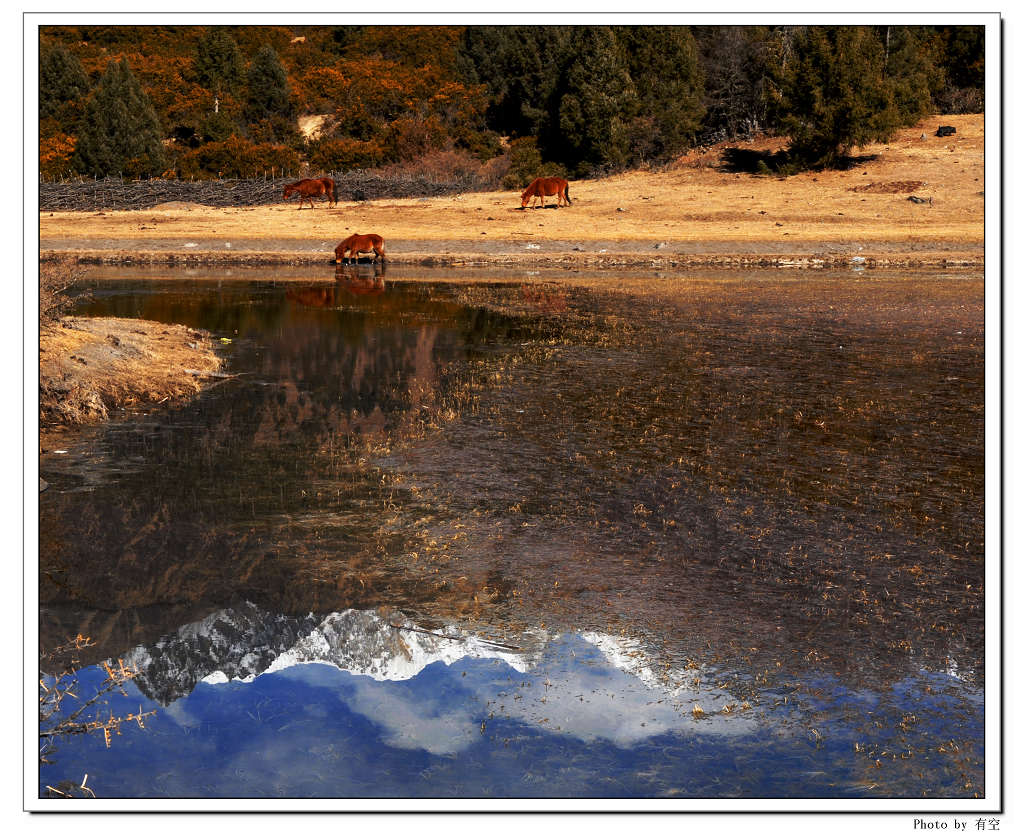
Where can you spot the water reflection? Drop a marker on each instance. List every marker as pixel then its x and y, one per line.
pixel 772 487
pixel 253 704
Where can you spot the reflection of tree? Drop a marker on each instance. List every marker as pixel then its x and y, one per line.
pixel 756 475
pixel 262 490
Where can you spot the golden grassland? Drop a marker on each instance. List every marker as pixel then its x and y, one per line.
pixel 695 212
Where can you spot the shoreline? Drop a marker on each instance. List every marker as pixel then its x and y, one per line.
pixel 890 256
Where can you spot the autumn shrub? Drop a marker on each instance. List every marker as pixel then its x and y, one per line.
pixel 345 153
pixel 236 158
pixel 56 154
pixel 411 137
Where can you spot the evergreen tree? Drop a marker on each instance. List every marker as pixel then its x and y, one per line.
pixel 218 63
pixel 662 62
pixel 912 73
pixel 120 132
pixel 586 124
pixel 835 94
pixel 268 93
pixel 962 58
pixel 519 65
pixel 62 80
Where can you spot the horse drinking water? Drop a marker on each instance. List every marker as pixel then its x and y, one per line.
pixel 356 244
pixel 547 186
pixel 309 188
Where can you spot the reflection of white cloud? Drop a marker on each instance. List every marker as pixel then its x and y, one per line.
pixel 179 714
pixel 410 722
pixel 615 705
pixel 621 695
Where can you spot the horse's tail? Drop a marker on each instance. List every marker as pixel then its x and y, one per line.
pixel 567 193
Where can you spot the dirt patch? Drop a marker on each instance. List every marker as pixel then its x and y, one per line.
pixel 894 187
pixel 90 368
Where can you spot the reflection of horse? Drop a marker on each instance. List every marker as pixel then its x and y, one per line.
pixel 369 282
pixel 309 189
pixel 311 297
pixel 356 244
pixel 545 187
pixel 357 281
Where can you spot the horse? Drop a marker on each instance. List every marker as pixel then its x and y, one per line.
pixel 332 196
pixel 546 186
pixel 356 244
pixel 307 189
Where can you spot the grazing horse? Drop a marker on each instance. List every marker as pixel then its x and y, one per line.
pixel 307 189
pixel 332 196
pixel 356 244
pixel 546 186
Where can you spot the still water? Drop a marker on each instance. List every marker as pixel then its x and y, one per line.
pixel 526 535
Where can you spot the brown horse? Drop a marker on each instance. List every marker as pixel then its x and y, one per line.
pixel 308 189
pixel 546 186
pixel 356 244
pixel 332 196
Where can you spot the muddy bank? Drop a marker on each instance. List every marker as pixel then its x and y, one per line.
pixel 92 368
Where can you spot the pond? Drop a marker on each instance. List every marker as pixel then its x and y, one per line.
pixel 459 534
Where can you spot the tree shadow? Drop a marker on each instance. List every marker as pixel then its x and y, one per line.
pixel 754 161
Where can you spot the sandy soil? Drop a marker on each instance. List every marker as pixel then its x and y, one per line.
pixel 696 212
pixel 92 367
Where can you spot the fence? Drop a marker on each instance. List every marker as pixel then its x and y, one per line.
pixel 85 195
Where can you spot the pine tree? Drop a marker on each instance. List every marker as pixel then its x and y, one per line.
pixel 61 79
pixel 519 65
pixel 586 124
pixel 911 70
pixel 835 95
pixel 662 62
pixel 268 94
pixel 120 132
pixel 218 63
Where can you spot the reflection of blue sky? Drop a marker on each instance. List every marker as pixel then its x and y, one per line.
pixel 574 724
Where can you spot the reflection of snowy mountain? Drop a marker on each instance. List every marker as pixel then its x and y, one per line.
pixel 591 687
pixel 241 643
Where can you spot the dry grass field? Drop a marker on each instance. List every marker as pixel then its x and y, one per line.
pixel 700 210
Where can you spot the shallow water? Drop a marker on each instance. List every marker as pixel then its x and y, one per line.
pixel 737 518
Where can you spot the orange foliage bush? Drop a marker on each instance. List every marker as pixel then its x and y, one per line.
pixel 55 154
pixel 237 157
pixel 345 153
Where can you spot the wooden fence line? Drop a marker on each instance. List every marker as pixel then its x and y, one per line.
pixel 84 195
